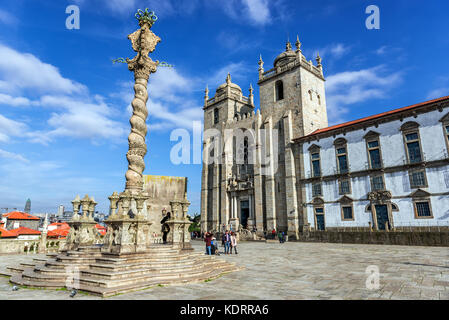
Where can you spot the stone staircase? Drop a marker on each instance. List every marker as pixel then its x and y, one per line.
pixel 105 274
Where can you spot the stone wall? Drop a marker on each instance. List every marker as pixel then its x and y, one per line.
pixel 11 246
pixel 405 238
pixel 162 190
pixel 32 224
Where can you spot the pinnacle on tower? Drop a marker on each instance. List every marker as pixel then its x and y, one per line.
pixel 318 60
pixel 251 96
pixel 261 71
pixel 206 95
pixel 288 46
pixel 228 78
pixel 298 43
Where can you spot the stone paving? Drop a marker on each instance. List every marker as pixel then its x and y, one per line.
pixel 296 271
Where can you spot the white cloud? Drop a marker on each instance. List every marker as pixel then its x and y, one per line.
pixel 350 87
pixel 21 71
pixel 13 156
pixel 438 93
pixel 7 18
pixel 16 101
pixel 335 51
pixel 258 11
pixel 76 114
pixel 10 128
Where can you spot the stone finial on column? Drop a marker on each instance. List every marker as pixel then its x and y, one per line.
pixel 261 70
pixel 140 199
pixel 85 202
pixel 92 206
pixel 113 199
pixel 76 207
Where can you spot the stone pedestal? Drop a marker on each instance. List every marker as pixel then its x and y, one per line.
pixel 128 226
pixel 82 227
pixel 126 235
pixel 179 235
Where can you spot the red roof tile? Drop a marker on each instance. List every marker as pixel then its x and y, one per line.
pixel 17 215
pixel 377 116
pixel 60 225
pixel 25 231
pixel 7 234
pixel 101 229
pixel 58 233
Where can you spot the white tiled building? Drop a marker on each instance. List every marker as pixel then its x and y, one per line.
pixel 390 169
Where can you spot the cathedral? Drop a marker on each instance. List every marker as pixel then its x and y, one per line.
pixel 282 167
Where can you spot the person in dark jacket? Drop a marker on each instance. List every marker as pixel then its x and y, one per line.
pixel 165 227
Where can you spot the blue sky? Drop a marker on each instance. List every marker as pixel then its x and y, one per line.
pixel 64 107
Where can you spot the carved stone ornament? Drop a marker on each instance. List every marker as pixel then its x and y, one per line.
pixel 379 196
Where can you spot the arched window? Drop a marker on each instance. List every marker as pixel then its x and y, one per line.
pixel 279 87
pixel 216 116
pixel 319 100
pixel 245 151
pixel 310 95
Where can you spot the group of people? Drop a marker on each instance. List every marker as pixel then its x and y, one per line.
pixel 280 235
pixel 228 241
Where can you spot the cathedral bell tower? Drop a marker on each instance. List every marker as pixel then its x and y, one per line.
pixel 294 84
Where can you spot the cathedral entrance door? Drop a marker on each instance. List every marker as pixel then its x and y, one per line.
pixel 319 219
pixel 244 213
pixel 382 216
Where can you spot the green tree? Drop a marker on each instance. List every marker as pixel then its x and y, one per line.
pixel 196 223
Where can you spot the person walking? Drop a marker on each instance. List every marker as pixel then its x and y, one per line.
pixel 213 244
pixel 165 227
pixel 234 242
pixel 223 239
pixel 208 240
pixel 227 242
pixel 280 237
pixel 273 234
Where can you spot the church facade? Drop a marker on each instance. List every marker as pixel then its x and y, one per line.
pixel 260 168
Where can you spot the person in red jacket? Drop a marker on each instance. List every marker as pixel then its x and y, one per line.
pixel 208 240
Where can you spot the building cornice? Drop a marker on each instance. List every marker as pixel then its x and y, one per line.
pixel 376 120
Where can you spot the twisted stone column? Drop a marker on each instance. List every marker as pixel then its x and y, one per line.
pixel 143 42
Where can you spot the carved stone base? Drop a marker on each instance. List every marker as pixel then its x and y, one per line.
pixel 82 234
pixel 126 235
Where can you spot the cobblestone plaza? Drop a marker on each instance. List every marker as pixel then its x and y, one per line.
pixel 295 270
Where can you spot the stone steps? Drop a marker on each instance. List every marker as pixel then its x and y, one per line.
pixel 167 277
pixel 161 269
pixel 144 284
pixel 107 274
